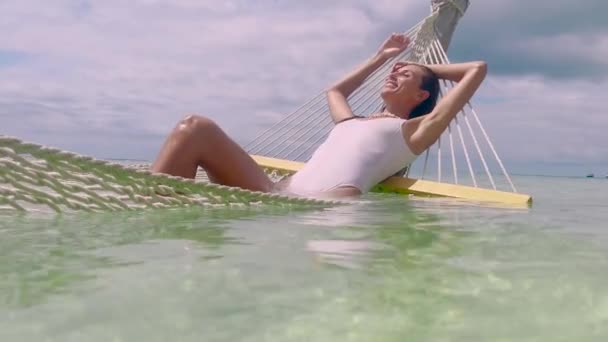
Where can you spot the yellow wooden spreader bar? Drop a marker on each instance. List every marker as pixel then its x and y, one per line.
pixel 416 186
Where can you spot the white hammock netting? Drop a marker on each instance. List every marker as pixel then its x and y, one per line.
pixel 33 177
pixel 38 178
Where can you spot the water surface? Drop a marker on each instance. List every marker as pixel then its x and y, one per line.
pixel 387 268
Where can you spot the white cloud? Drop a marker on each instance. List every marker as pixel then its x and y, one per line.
pixel 538 119
pixel 583 48
pixel 158 52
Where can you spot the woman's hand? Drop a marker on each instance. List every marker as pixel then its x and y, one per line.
pixel 394 45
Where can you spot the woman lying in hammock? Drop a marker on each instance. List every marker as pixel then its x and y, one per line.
pixel 359 152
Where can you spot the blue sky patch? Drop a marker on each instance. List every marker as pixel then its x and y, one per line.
pixel 11 57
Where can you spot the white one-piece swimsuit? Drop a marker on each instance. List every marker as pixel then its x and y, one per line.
pixel 358 153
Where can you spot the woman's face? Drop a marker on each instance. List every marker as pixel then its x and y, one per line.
pixel 403 84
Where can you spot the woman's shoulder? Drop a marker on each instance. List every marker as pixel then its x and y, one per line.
pixel 350 118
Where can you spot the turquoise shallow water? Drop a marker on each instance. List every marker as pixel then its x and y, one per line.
pixel 385 269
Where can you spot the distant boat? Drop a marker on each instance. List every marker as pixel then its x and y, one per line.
pixel 591 175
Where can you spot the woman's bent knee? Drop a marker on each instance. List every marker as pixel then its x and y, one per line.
pixel 196 123
pixel 195 126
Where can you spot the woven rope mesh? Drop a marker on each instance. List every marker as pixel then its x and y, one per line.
pixel 37 178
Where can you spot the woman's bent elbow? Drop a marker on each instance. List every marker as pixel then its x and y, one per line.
pixel 333 90
pixel 482 66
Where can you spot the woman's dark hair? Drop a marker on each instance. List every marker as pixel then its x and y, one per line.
pixel 430 83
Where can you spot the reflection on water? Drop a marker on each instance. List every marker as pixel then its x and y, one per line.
pixel 381 269
pixel 344 253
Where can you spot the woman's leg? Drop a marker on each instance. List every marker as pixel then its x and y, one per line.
pixel 198 141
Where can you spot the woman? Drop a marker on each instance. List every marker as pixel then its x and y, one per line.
pixel 359 152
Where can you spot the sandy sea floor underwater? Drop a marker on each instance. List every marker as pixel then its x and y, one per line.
pixel 386 268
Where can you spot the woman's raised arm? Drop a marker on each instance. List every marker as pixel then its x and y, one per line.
pixel 338 93
pixel 422 132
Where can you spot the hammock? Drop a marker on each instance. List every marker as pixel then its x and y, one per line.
pixel 33 177
pixel 38 178
pixel 293 139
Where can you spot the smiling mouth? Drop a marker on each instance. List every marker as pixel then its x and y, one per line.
pixel 391 81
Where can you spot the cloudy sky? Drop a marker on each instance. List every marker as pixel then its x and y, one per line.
pixel 110 78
